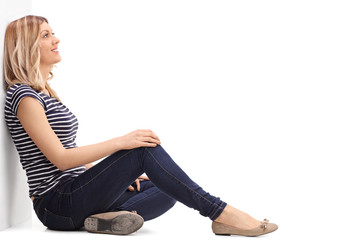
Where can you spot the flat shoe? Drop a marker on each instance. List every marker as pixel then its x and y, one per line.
pixel 224 229
pixel 120 223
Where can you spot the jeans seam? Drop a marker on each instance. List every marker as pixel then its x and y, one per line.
pixel 93 178
pixel 186 186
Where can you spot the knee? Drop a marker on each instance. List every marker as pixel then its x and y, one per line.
pixel 159 205
pixel 162 198
pixel 171 201
pixel 156 149
pixel 167 202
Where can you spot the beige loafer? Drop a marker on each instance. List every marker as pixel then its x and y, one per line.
pixel 120 223
pixel 224 229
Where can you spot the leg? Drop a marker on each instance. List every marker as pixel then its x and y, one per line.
pixel 98 189
pixel 170 179
pixel 149 203
pixel 234 217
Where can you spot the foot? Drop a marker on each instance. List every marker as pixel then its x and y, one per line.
pixel 236 218
pixel 264 228
pixel 121 223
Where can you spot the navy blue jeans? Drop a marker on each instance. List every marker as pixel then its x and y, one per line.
pixel 103 188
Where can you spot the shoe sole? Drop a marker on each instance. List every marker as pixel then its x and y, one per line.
pixel 123 224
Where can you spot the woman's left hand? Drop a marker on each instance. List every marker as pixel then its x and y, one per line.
pixel 137 181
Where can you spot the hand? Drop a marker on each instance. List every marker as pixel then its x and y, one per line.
pixel 139 138
pixel 137 181
pixel 88 166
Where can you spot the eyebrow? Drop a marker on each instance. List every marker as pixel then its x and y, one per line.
pixel 45 31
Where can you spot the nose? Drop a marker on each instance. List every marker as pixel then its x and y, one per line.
pixel 56 40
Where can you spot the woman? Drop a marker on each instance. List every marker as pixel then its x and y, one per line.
pixel 66 193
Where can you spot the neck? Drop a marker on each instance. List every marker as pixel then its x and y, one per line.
pixel 45 71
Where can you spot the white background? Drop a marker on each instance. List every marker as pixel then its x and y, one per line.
pixel 258 101
pixel 15 206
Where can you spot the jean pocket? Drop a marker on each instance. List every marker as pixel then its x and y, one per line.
pixel 57 222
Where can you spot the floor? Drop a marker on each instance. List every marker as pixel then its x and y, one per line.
pixel 179 223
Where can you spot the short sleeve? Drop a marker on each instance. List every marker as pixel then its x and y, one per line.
pixel 20 93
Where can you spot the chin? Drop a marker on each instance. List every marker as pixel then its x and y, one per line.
pixel 57 60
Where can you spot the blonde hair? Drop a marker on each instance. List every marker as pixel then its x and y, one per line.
pixel 22 54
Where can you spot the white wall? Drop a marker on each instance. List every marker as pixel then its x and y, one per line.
pixel 15 205
pixel 257 100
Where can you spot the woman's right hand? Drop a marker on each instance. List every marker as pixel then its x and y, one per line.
pixel 33 118
pixel 139 138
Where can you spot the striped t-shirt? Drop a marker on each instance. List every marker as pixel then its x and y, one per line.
pixel 42 175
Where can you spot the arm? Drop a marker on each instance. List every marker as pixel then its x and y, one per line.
pixel 32 117
pixel 88 166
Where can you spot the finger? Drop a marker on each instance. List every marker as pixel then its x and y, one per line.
pixel 144 178
pixel 131 188
pixel 146 144
pixel 146 139
pixel 154 136
pixel 149 140
pixel 137 185
pixel 150 133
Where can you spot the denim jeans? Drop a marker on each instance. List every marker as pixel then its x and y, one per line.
pixel 103 188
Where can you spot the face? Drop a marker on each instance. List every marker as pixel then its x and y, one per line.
pixel 49 54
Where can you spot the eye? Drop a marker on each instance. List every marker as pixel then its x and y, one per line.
pixel 46 35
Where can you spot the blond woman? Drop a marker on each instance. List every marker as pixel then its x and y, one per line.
pixel 112 196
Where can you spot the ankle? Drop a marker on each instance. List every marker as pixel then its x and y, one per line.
pixel 226 214
pixel 236 218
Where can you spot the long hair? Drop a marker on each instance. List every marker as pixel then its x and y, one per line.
pixel 22 54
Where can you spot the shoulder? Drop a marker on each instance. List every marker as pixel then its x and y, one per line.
pixel 17 92
pixel 17 89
